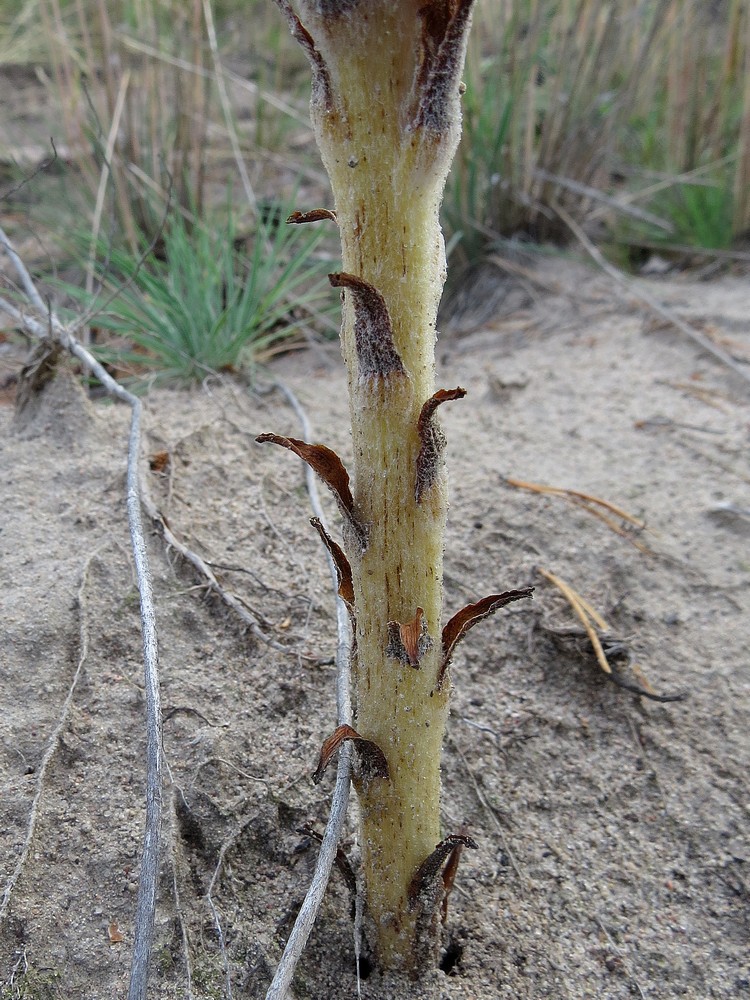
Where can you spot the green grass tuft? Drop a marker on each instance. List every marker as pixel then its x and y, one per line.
pixel 207 305
pixel 578 104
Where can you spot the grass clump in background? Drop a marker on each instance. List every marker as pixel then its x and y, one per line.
pixel 144 96
pixel 606 110
pixel 633 116
pixel 206 301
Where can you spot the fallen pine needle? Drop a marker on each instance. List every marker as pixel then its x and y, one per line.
pixel 587 498
pixel 592 621
pixel 592 505
pixel 585 614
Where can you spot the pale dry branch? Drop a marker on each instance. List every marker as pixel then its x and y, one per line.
pixel 227 596
pixel 226 846
pixel 20 968
pixel 52 331
pixel 343 620
pixel 280 986
pixel 183 934
pixel 41 323
pixel 83 650
pixel 26 281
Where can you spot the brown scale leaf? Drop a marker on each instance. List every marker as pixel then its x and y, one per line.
pixel 409 642
pixel 425 881
pixel 326 464
pixel 371 758
pixel 445 27
pixel 468 617
pixel 377 356
pixel 115 934
pixel 432 440
pixel 449 872
pixel 159 461
pixel 315 215
pixel 343 569
pixel 322 91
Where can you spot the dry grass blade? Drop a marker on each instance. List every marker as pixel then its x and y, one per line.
pixel 661 310
pixel 565 98
pixel 585 614
pixel 592 505
pixel 226 106
pixel 138 45
pixel 618 204
pixel 595 628
pixel 161 122
pixel 102 189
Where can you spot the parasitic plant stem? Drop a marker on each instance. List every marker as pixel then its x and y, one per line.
pixel 385 109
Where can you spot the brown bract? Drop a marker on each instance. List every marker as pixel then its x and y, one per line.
pixel 446 24
pixel 373 331
pixel 371 758
pixel 410 641
pixel 425 881
pixel 343 568
pixel 322 92
pixel 432 441
pixel 468 617
pixel 326 464
pixel 314 215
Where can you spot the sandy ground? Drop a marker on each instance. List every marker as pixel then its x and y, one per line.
pixel 613 846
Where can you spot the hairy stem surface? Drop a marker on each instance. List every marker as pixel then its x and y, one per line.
pixel 386 116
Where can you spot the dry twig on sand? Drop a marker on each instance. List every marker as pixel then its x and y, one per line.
pixel 42 325
pixel 658 307
pixel 227 596
pixel 279 988
pixel 596 628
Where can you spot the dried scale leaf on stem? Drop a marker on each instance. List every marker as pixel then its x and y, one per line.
pixel 329 849
pixel 385 110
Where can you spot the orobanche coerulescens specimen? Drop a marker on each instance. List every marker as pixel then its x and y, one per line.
pixel 386 112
